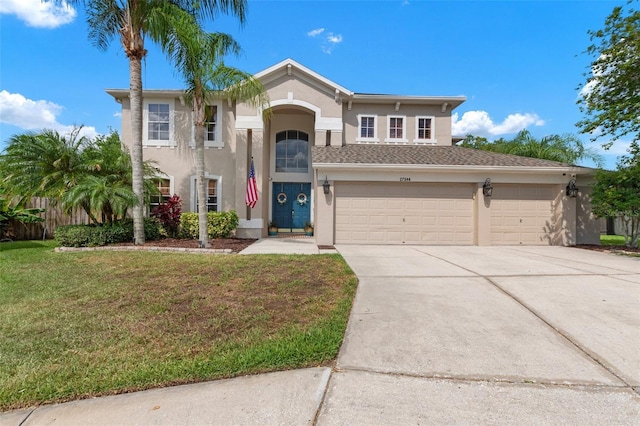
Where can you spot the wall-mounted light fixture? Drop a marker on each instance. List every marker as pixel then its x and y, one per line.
pixel 572 189
pixel 325 185
pixel 487 189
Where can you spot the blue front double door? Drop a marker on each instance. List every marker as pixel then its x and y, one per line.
pixel 291 205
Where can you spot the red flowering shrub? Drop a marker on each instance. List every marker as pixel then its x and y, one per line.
pixel 168 213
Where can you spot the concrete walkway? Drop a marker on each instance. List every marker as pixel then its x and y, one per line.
pixel 437 335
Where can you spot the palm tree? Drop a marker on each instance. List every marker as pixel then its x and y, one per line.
pixel 133 21
pixel 105 190
pixel 73 171
pixel 563 148
pixel 198 56
pixel 101 196
pixel 44 164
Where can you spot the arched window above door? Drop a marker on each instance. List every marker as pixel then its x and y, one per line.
pixel 292 152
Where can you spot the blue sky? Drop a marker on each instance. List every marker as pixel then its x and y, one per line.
pixel 519 63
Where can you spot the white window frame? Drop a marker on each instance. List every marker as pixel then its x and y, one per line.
pixel 192 204
pixel 218 143
pixel 403 139
pixel 171 189
pixel 432 139
pixel 375 138
pixel 145 123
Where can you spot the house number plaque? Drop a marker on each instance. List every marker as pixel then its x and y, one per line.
pixel 405 179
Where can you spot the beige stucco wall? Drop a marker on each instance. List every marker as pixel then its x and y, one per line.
pixel 178 160
pixel 587 226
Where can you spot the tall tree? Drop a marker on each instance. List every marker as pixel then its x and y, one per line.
pixel 617 194
pixel 610 98
pixel 198 57
pixel 133 21
pixel 563 148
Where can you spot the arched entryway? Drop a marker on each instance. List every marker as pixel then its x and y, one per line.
pixel 291 203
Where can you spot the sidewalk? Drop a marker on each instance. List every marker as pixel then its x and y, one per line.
pixel 301 245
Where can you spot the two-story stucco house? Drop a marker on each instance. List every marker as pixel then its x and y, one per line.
pixel 363 168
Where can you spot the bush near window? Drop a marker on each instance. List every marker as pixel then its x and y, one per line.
pixel 219 224
pixel 169 213
pixel 108 233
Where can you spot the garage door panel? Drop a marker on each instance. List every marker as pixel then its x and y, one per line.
pixel 416 213
pixel 520 214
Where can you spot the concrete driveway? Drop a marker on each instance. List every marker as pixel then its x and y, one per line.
pixel 469 335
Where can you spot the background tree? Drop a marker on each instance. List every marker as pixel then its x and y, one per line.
pixel 565 148
pixel 610 98
pixel 198 58
pixel 610 101
pixel 617 194
pixel 44 164
pixel 133 21
pixel 75 172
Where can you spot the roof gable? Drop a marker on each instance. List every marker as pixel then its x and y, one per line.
pixel 291 67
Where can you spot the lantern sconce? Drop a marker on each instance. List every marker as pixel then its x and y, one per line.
pixel 325 185
pixel 572 189
pixel 487 189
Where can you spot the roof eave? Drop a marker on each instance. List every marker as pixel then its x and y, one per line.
pixel 452 101
pixel 454 168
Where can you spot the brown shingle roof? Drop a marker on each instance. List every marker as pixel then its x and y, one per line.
pixel 423 155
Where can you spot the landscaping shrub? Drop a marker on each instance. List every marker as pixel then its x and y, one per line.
pixel 219 224
pixel 169 213
pixel 108 233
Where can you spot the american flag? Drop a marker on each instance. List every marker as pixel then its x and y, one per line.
pixel 252 190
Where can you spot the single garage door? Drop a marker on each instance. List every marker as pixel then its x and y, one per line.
pixel 522 214
pixel 403 213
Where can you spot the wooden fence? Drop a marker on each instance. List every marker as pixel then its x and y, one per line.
pixel 53 217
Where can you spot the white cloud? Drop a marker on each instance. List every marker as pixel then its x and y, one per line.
pixel 315 32
pixel 39 13
pixel 335 39
pixel 479 123
pixel 117 114
pixel 330 42
pixel 27 114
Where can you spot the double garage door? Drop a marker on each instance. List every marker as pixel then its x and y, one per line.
pixel 431 213
pixel 404 213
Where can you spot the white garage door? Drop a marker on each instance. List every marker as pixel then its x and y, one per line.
pixel 522 214
pixel 403 213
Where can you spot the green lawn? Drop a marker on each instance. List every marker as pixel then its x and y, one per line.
pixel 74 325
pixel 612 240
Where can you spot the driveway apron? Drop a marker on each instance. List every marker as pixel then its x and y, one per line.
pixel 489 335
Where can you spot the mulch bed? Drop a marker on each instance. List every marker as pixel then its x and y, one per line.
pixel 234 244
pixel 611 249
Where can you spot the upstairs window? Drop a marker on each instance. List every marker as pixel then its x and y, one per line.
pixel 396 129
pixel 424 130
pixel 212 126
pixel 157 128
pixel 158 122
pixel 211 123
pixel 367 131
pixel 292 152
